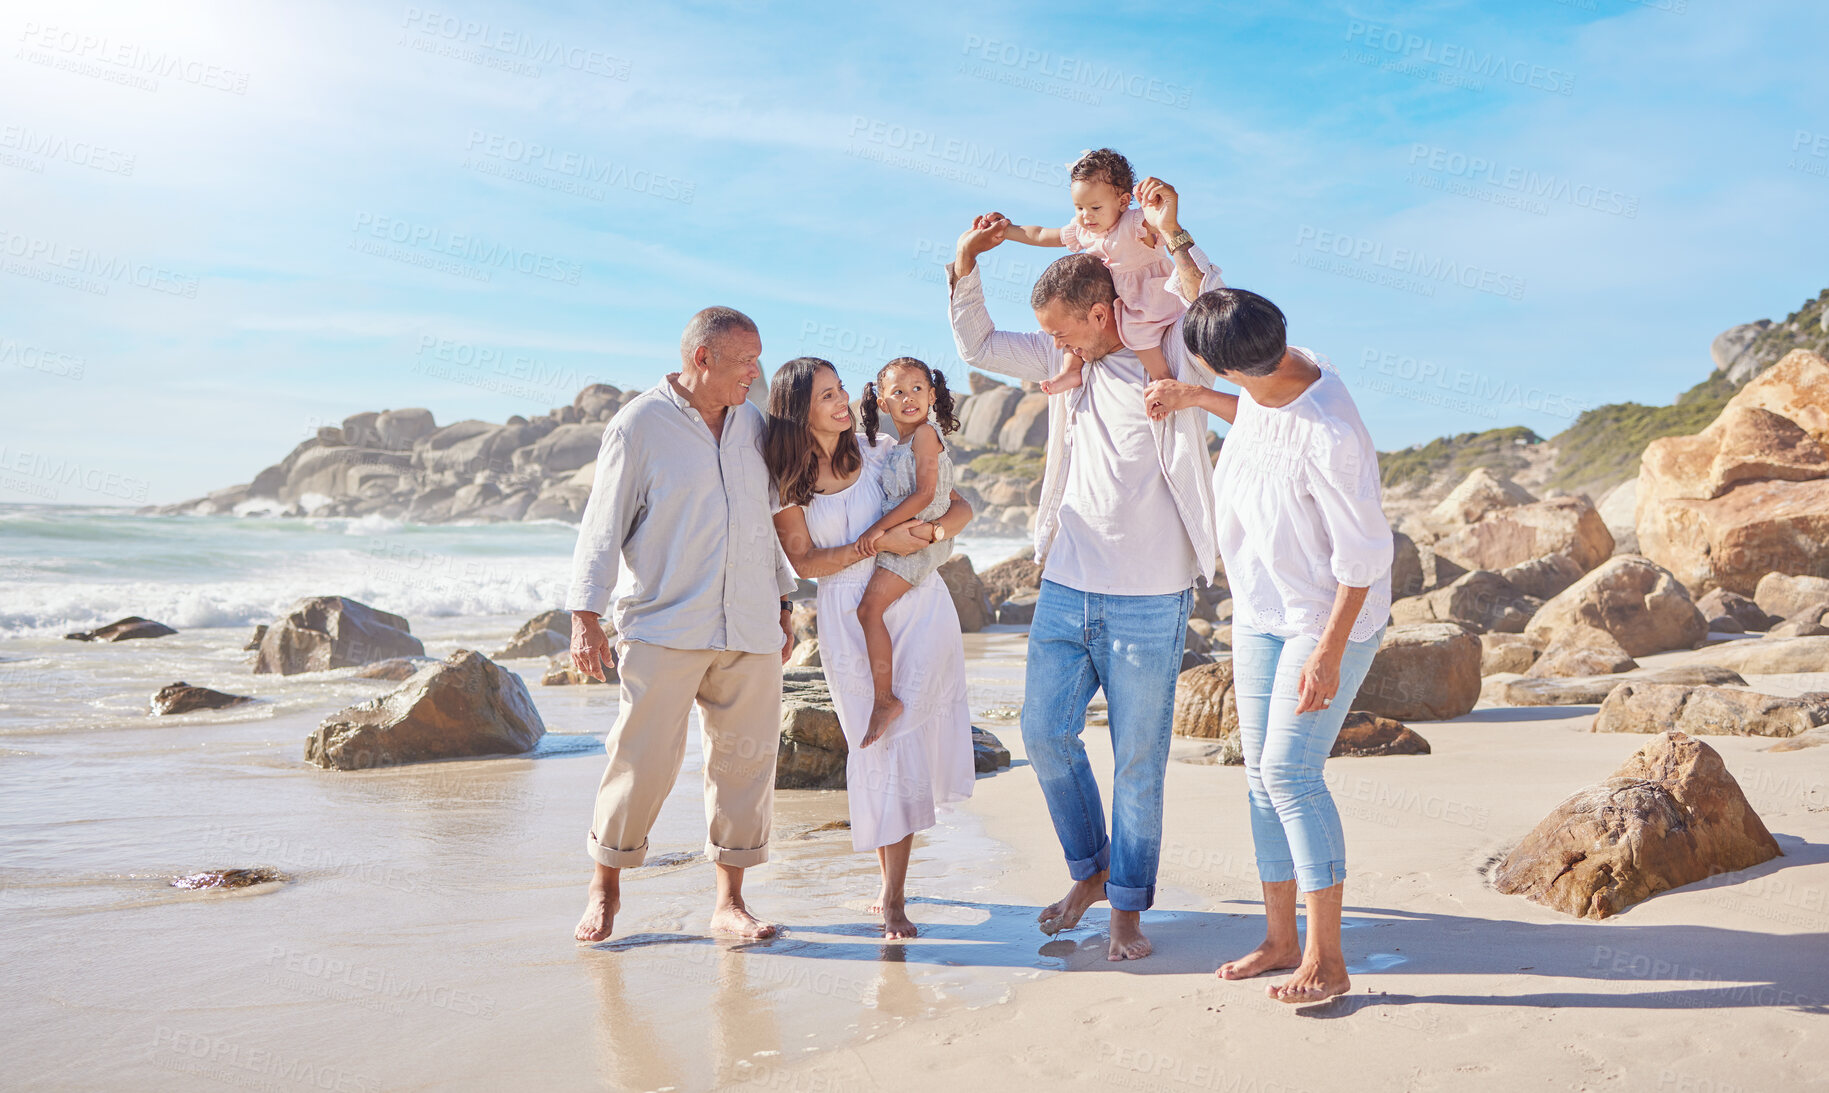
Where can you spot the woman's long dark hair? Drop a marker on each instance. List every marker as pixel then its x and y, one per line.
pixel 944 415
pixel 788 448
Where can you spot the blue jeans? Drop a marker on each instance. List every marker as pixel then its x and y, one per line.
pixel 1294 823
pixel 1129 646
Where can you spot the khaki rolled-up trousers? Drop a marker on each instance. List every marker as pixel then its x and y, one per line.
pixel 739 701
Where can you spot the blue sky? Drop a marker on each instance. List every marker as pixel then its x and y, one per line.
pixel 223 224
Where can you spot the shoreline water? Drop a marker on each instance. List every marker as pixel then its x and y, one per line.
pixel 422 936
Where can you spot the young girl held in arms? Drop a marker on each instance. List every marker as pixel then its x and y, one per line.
pixel 917 484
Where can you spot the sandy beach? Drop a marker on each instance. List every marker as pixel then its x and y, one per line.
pixel 422 938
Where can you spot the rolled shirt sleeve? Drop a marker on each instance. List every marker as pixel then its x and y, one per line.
pixel 1030 356
pixel 1344 484
pixel 615 506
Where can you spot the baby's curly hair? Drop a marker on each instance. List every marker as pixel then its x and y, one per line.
pixel 1107 166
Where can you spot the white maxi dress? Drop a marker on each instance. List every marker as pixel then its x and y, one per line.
pixel 925 760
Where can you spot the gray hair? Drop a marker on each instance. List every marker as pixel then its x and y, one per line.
pixel 712 324
pixel 1078 280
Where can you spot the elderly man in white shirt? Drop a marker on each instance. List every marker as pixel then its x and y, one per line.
pixel 1124 530
pixel 681 504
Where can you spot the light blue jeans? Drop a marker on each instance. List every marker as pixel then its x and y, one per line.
pixel 1130 647
pixel 1294 823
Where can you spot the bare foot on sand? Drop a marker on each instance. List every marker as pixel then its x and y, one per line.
pixel 1064 913
pixel 600 906
pixel 1312 982
pixel 896 926
pixel 1261 960
pixel 882 716
pixel 733 918
pixel 1127 940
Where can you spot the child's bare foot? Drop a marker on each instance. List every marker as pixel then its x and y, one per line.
pixel 1264 958
pixel 1313 982
pixel 882 716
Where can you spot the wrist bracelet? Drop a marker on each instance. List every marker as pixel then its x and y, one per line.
pixel 787 605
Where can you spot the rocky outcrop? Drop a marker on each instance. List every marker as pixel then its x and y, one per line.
pixel 805 655
pixel 1480 493
pixel 1018 610
pixel 985 414
pixel 543 635
pixel 1204 704
pixel 1406 567
pixel 1481 601
pixel 1423 672
pixel 1027 425
pixel 1731 613
pixel 324 632
pixel 1543 578
pixel 969 599
pixel 1506 653
pixel 1809 623
pixel 1636 600
pixel 1781 595
pixel 1516 534
pixel 394 669
pixel 813 751
pixel 1593 690
pixel 1670 815
pixel 1362 734
pixel 1768 656
pixel 463 707
pixel 1708 711
pixel 127 629
pixel 1749 494
pixel 1581 651
pixel 1021 573
pixel 181 697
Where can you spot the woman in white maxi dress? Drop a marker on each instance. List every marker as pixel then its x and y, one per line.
pixel 925 760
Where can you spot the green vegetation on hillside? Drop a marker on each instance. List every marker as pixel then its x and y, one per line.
pixel 1027 463
pixel 1804 328
pixel 1604 444
pixel 1456 456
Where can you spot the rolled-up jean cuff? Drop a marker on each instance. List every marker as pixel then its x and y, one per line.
pixel 1130 899
pixel 740 859
pixel 1276 872
pixel 1321 877
pixel 610 856
pixel 1087 868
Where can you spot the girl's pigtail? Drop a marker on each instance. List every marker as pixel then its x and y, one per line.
pixel 868 412
pixel 943 404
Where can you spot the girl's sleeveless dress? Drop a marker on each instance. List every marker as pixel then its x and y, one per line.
pixel 899 482
pixel 926 759
pixel 1146 307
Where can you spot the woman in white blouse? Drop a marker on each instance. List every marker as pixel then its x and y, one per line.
pixel 1307 551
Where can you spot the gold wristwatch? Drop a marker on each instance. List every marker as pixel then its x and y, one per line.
pixel 939 532
pixel 1178 240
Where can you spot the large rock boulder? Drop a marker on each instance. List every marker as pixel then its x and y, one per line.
pixel 1514 534
pixel 127 629
pixel 465 706
pixel 1768 656
pixel 988 753
pixel 1730 612
pixel 1749 494
pixel 541 636
pixel 968 595
pixel 1636 600
pixel 324 632
pixel 1507 653
pixel 986 414
pixel 1581 651
pixel 1782 595
pixel 1809 623
pixel 1481 492
pixel 181 697
pixel 1021 573
pixel 1362 734
pixel 1207 709
pixel 1481 601
pixel 1708 711
pixel 1670 815
pixel 1593 690
pixel 1027 426
pixel 399 430
pixel 1406 566
pixel 1731 343
pixel 1423 672
pixel 1543 578
pixel 812 752
pixel 336 472
pixel 566 448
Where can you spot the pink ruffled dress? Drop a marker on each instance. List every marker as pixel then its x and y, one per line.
pixel 1146 307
